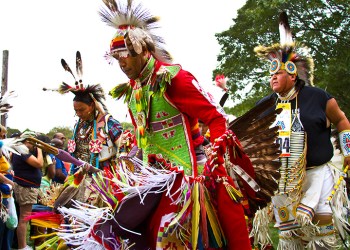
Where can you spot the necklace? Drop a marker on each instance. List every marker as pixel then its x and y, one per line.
pixel 85 129
pixel 288 96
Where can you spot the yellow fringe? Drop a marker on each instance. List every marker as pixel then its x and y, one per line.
pixel 48 243
pixel 43 223
pixel 43 235
pixel 195 214
pixel 213 220
pixel 234 194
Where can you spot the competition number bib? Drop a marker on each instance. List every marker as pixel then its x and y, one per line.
pixel 283 121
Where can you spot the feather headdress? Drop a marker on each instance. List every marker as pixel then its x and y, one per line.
pixel 95 91
pixel 288 54
pixel 135 27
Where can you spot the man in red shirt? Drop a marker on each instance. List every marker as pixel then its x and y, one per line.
pixel 165 102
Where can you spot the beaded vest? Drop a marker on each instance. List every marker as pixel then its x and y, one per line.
pixel 161 127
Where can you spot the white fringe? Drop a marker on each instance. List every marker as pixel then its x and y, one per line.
pixel 340 203
pixel 83 218
pixel 288 242
pixel 146 180
pixel 260 230
pixel 308 228
pixel 329 242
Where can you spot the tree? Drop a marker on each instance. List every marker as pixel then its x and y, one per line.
pixel 321 25
pixel 11 131
pixel 67 131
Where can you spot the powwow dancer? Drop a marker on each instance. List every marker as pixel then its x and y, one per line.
pixel 96 132
pixel 163 201
pixel 311 204
pixel 163 101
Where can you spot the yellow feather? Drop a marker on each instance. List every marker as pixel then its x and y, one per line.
pixel 213 220
pixel 48 243
pixel 179 215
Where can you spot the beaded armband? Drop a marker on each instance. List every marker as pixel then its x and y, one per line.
pixel 344 139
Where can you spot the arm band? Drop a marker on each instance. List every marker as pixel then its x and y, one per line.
pixel 344 139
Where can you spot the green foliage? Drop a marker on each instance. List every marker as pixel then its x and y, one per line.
pixel 67 131
pixel 11 131
pixel 323 26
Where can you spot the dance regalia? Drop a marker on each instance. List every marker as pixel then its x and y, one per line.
pixel 161 114
pixel 308 172
pixel 162 200
pixel 95 141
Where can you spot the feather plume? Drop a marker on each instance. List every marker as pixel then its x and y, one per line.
pixel 79 65
pixel 123 90
pixel 284 28
pixel 117 14
pixel 65 88
pixel 288 50
pixel 12 145
pixel 67 68
pixel 136 39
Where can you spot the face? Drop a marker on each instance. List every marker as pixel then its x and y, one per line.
pixel 132 65
pixel 282 82
pixel 61 137
pixel 83 110
pixel 203 128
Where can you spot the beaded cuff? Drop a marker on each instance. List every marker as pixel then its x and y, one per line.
pixel 344 139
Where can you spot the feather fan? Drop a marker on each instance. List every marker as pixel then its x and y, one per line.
pixel 258 138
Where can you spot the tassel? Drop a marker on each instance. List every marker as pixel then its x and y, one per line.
pixel 234 194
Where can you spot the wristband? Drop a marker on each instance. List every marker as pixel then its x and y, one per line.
pixel 344 139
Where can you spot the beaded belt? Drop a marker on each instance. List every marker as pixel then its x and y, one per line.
pixel 167 123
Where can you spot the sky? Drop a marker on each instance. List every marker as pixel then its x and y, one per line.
pixel 38 33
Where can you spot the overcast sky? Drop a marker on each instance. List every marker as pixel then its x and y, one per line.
pixel 38 33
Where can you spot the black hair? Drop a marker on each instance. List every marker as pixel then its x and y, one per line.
pixel 299 83
pixel 83 97
pixel 43 138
